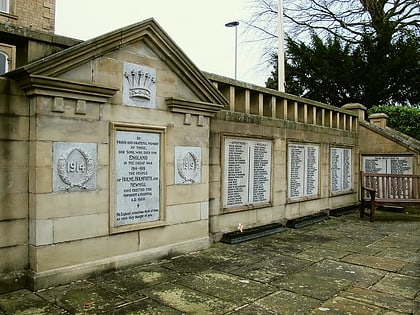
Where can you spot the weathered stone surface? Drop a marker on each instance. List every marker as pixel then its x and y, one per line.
pixel 285 273
pixel 342 306
pixel 383 300
pixel 286 302
pixel 375 262
pixel 25 302
pixel 189 300
pixel 313 285
pixel 82 297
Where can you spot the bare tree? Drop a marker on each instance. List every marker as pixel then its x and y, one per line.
pixel 346 19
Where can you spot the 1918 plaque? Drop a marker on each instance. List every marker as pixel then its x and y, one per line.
pixel 137 168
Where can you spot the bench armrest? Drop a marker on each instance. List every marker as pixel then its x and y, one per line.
pixel 371 191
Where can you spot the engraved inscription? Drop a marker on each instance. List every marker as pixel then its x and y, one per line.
pixel 137 167
pixel 188 165
pixel 341 169
pixel 303 167
pixel 247 172
pixel 74 166
pixel 388 164
pixel 139 86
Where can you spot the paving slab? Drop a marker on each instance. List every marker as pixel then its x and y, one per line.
pixel 287 302
pixel 342 306
pixel 383 300
pixel 269 270
pixel 25 302
pixel 83 297
pixel 344 265
pixel 358 275
pixel 229 287
pixel 128 283
pixel 145 307
pixel 188 300
pixel 314 285
pixel 377 262
pixel 399 285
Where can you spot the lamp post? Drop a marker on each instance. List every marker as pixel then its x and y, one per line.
pixel 235 25
pixel 280 54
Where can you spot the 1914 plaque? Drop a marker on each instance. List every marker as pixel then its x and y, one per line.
pixel 74 166
pixel 137 176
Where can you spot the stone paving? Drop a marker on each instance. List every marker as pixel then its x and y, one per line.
pixel 343 265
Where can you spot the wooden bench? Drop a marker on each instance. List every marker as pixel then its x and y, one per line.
pixel 387 190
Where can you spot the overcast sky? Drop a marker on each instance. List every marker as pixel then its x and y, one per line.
pixel 196 26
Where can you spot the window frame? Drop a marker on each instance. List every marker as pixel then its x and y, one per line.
pixel 6 63
pixel 5 6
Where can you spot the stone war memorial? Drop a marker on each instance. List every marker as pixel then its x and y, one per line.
pixel 119 151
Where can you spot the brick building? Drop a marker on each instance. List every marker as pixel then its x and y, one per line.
pixel 21 17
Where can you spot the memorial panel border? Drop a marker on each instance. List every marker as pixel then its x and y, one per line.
pixel 247 172
pixel 303 171
pixel 137 178
pixel 341 170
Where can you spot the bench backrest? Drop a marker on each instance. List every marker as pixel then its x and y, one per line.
pixel 392 186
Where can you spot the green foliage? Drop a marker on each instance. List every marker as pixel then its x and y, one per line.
pixel 370 72
pixel 402 118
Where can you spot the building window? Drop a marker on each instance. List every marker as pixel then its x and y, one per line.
pixel 3 63
pixel 4 6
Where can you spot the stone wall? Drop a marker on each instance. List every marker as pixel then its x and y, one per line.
pixel 281 207
pixel 117 151
pixel 32 14
pixel 14 188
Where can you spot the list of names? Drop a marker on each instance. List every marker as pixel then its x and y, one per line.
pixel 388 164
pixel 341 169
pixel 247 172
pixel 303 168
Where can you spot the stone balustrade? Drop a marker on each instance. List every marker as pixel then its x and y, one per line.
pixel 255 100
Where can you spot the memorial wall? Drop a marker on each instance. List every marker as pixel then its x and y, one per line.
pixel 131 154
pixel 118 172
pixel 265 180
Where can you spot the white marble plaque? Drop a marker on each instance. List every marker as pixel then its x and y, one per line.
pixel 139 85
pixel 388 164
pixel 236 172
pixel 137 176
pixel 74 166
pixel 261 172
pixel 187 165
pixel 303 168
pixel 341 169
pixel 247 172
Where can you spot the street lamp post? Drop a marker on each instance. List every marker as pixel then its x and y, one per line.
pixel 235 25
pixel 280 54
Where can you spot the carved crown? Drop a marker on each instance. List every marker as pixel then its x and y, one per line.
pixel 140 83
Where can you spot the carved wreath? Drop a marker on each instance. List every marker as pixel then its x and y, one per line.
pixel 62 169
pixel 187 177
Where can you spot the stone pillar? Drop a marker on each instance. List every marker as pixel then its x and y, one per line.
pixel 357 108
pixel 379 119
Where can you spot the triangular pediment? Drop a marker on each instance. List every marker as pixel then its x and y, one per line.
pixel 147 36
